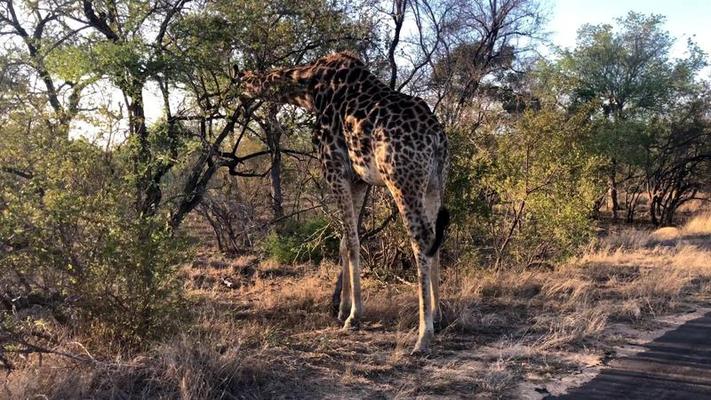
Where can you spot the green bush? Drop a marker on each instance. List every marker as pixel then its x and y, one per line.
pixel 75 253
pixel 526 194
pixel 546 178
pixel 297 241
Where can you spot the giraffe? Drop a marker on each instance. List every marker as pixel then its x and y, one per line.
pixel 368 134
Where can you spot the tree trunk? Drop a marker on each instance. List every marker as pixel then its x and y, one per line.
pixel 596 206
pixel 668 216
pixel 516 221
pixel 653 200
pixel 200 174
pixel 273 138
pixel 148 191
pixel 275 177
pixel 630 214
pixel 632 206
pixel 613 192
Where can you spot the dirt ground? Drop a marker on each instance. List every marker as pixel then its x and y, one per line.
pixel 499 353
pixel 257 330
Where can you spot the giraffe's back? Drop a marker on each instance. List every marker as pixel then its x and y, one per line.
pixel 389 135
pixel 392 136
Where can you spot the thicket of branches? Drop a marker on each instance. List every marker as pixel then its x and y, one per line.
pixel 119 120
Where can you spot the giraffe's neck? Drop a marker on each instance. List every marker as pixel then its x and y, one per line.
pixel 321 87
pixel 289 85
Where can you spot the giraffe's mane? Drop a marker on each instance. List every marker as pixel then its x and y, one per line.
pixel 341 57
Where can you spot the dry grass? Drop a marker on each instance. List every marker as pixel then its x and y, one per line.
pixel 261 330
pixel 700 225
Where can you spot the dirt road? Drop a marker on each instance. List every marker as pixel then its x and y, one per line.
pixel 676 366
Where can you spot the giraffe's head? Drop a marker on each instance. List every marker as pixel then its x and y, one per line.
pixel 279 85
pixel 250 84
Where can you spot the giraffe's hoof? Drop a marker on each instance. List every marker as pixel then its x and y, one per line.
pixel 420 350
pixel 351 324
pixel 422 347
pixel 344 312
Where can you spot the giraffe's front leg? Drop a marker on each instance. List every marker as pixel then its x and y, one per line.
pixel 352 253
pixel 348 194
pixel 351 250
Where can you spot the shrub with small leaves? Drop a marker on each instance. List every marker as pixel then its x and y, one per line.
pixel 73 251
pixel 300 241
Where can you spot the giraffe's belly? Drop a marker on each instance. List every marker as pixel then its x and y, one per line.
pixel 360 142
pixel 365 168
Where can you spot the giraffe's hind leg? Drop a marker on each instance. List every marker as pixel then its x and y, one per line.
pixel 433 203
pixel 411 204
pixel 341 294
pixel 421 235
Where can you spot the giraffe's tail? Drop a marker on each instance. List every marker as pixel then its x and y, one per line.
pixel 440 226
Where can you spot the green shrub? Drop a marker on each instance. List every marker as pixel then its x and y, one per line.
pixel 296 241
pixel 546 179
pixel 526 193
pixel 75 253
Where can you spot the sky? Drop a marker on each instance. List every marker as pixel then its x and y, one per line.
pixel 685 18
